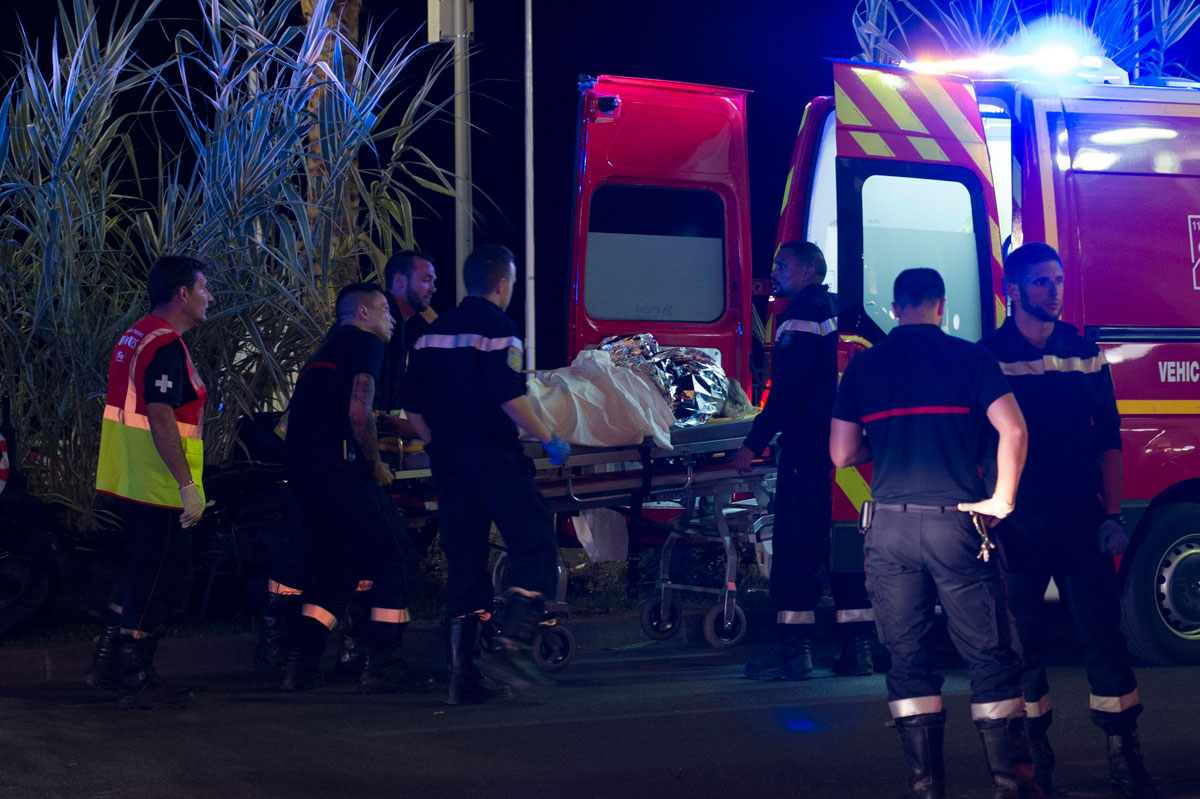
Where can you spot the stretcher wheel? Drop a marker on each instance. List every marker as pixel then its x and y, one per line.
pixel 658 625
pixel 715 631
pixel 553 648
pixel 488 635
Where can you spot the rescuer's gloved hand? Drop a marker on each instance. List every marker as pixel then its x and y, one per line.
pixel 383 474
pixel 1111 537
pixel 997 509
pixel 193 506
pixel 558 450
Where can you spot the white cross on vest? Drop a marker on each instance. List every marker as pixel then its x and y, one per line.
pixel 163 384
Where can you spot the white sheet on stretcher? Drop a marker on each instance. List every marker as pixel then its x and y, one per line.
pixel 593 403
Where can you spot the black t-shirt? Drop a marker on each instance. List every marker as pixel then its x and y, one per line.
pixel 318 423
pixel 1066 395
pixel 166 378
pixel 922 397
pixel 389 393
pixel 803 378
pixel 462 370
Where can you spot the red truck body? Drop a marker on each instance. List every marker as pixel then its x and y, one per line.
pixel 903 167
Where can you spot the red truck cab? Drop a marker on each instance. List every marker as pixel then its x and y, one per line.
pixel 910 167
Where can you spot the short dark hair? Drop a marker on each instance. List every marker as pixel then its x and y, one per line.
pixel 1020 260
pixel 918 286
pixel 402 263
pixel 349 298
pixel 485 267
pixel 807 253
pixel 168 274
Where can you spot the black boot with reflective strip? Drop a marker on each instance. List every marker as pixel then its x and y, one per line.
pixel 1042 753
pixel 351 653
pixel 922 739
pixel 855 659
pixel 1006 746
pixel 465 684
pixel 279 611
pixel 791 659
pixel 1130 780
pixel 138 685
pixel 103 671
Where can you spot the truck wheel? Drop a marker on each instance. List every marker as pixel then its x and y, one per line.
pixel 1160 608
pixel 659 625
pixel 24 591
pixel 717 634
pixel 553 648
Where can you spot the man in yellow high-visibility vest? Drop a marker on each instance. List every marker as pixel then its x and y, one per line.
pixel 151 461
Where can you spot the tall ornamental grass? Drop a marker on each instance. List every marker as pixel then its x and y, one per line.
pixel 257 144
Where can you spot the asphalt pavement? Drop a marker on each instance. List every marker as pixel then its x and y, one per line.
pixel 627 718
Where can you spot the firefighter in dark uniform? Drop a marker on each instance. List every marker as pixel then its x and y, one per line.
pixel 1067 524
pixel 466 394
pixel 350 526
pixel 803 388
pixel 924 398
pixel 409 281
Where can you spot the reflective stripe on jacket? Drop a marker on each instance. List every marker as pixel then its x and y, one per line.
pixel 130 465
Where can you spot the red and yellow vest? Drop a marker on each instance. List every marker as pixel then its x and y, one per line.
pixel 130 465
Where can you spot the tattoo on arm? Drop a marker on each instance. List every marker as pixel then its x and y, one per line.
pixel 362 416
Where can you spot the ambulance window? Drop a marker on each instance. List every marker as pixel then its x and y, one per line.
pixel 822 210
pixel 655 254
pixel 910 222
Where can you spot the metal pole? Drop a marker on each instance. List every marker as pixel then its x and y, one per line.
pixel 530 292
pixel 463 230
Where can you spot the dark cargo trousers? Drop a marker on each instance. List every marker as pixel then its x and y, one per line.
pixel 800 543
pixel 155 578
pixel 479 483
pixel 914 557
pixel 1062 545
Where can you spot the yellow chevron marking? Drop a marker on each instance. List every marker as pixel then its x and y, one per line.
pixel 979 155
pixel 947 109
pixel 1001 307
pixel 872 144
pixel 886 88
pixel 851 481
pixel 787 189
pixel 1164 407
pixel 928 148
pixel 847 111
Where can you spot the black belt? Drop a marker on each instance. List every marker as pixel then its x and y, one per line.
pixel 911 507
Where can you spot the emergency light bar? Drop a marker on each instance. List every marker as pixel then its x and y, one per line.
pixel 1047 62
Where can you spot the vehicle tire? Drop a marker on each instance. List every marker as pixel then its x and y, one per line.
pixel 553 648
pixel 660 626
pixel 500 575
pixel 1160 606
pixel 714 627
pixel 24 591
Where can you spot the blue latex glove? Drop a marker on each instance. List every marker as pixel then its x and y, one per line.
pixel 1112 538
pixel 558 450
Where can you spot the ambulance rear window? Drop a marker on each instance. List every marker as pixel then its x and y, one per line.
pixel 911 222
pixel 655 254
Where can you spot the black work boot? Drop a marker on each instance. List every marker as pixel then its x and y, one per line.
pixel 1042 753
pixel 855 659
pixel 385 672
pixel 351 651
pixel 279 610
pixel 465 684
pixel 791 659
pixel 1007 750
pixel 103 671
pixel 138 685
pixel 300 667
pixel 921 737
pixel 1129 778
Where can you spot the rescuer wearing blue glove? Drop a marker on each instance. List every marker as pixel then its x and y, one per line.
pixel 466 398
pixel 558 450
pixel 1067 524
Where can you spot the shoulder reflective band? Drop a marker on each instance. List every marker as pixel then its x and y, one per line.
pixel 1052 363
pixel 467 341
pixel 806 326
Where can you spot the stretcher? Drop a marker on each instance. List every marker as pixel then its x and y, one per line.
pixel 699 466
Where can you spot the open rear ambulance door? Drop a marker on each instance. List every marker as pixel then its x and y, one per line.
pixel 661 231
